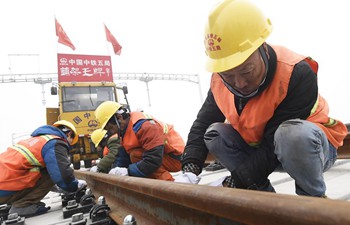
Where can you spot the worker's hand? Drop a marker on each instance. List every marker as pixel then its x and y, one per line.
pixel 81 184
pixel 121 171
pixel 187 177
pixel 94 169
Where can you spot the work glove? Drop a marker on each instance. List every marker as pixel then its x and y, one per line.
pixel 187 177
pixel 94 169
pixel 121 171
pixel 81 184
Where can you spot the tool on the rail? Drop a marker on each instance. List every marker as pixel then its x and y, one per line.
pixel 129 220
pixel 78 219
pixel 87 201
pixel 68 196
pixel 14 219
pixel 4 212
pixel 99 213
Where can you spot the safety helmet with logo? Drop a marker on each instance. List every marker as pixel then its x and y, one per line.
pixel 234 30
pixel 70 126
pixel 98 135
pixel 105 111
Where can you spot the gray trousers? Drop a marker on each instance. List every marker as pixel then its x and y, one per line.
pixel 301 147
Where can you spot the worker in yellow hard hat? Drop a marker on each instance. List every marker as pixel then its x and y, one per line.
pixel 110 150
pixel 30 168
pixel 269 97
pixel 100 137
pixel 69 129
pixel 154 147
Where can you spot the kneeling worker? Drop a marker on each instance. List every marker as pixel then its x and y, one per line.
pixel 110 150
pixel 30 168
pixel 155 148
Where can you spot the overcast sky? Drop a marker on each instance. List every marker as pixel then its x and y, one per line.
pixel 157 36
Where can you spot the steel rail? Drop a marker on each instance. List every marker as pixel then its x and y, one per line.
pixel 163 202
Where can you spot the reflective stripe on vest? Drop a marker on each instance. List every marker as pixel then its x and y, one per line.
pixel 165 128
pixel 330 122
pixel 165 131
pixel 29 155
pixel 164 125
pixel 313 110
pixel 147 116
pixel 130 141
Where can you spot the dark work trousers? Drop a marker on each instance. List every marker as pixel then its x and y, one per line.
pixel 30 196
pixel 227 145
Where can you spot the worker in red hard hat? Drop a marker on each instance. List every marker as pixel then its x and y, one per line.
pixel 30 168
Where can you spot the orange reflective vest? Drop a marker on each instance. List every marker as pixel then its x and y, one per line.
pixel 260 109
pixel 21 163
pixel 173 143
pixel 106 149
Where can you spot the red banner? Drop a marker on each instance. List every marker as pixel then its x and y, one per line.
pixel 116 46
pixel 84 68
pixel 62 36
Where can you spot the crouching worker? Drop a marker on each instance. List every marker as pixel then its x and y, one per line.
pixel 269 97
pixel 155 148
pixel 111 152
pixel 30 168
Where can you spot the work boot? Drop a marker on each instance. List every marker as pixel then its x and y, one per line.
pixel 31 210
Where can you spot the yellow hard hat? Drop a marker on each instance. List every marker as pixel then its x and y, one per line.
pixel 97 136
pixel 105 111
pixel 70 126
pixel 234 30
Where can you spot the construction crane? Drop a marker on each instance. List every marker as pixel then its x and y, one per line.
pixel 47 78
